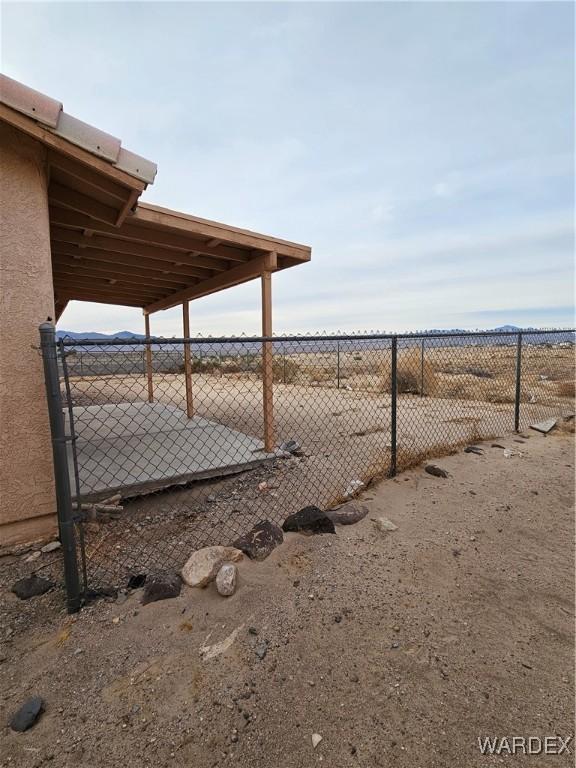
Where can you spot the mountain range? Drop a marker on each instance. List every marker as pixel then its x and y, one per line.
pixel 132 335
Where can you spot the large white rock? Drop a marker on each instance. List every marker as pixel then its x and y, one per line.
pixel 203 565
pixel 226 579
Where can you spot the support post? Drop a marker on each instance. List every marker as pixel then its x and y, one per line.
pixel 393 404
pixel 148 359
pixel 422 368
pixel 61 473
pixel 338 364
pixel 518 383
pixel 187 360
pixel 267 368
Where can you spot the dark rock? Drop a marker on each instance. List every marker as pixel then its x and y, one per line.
pixel 260 541
pixel 136 581
pixel 31 586
pixel 347 514
pixel 261 649
pixel 309 520
pixel 432 469
pixel 474 449
pixel 27 715
pixel 161 587
pixel 291 446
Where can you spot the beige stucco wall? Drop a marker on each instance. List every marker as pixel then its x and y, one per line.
pixel 27 504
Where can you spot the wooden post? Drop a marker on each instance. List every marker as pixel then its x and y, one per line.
pixel 267 370
pixel 187 360
pixel 148 359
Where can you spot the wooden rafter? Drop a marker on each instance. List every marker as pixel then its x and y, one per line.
pixel 235 276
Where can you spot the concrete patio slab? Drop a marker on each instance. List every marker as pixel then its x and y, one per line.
pixel 136 448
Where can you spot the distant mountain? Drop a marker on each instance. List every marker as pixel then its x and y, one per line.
pixel 94 335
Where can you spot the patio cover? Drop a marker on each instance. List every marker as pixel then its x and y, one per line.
pixel 109 248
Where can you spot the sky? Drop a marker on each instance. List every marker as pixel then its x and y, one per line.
pixel 425 151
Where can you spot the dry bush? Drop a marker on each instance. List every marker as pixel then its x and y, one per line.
pixel 565 426
pixel 319 374
pixel 284 370
pixel 409 374
pixel 501 394
pixel 566 389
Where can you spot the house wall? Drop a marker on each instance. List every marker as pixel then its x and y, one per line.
pixel 27 502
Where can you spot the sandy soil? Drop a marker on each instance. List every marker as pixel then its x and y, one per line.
pixel 399 649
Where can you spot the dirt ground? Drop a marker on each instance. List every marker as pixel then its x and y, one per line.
pixel 399 649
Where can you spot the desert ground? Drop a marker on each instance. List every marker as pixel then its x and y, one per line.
pixel 399 648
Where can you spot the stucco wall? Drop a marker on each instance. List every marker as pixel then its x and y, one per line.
pixel 27 504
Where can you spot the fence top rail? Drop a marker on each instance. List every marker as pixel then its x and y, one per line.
pixel 78 342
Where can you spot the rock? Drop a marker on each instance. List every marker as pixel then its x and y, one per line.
pixel 316 739
pixel 432 469
pixel 226 579
pixel 261 649
pixel 162 586
pixel 32 557
pixel 474 449
pixel 309 520
pixel 27 715
pixel 384 525
pixel 50 547
pixel 291 446
pixel 211 651
pixel 203 565
pixel 544 426
pixel 347 514
pixel 31 586
pixel 259 542
pixel 353 487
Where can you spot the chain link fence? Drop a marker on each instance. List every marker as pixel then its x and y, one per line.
pixel 167 448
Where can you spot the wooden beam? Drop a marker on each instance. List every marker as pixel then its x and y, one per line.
pixel 149 370
pixel 129 205
pixel 118 245
pixel 267 363
pixel 71 266
pixel 98 298
pixel 187 359
pixel 176 245
pixel 91 255
pixel 72 281
pixel 155 215
pixel 90 177
pixel 235 276
pixel 59 307
pixel 77 201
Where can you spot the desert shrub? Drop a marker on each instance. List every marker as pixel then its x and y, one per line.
pixel 456 370
pixel 284 370
pixel 566 389
pixel 501 395
pixel 317 373
pixel 409 374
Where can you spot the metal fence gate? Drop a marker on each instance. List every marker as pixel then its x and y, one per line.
pixel 159 444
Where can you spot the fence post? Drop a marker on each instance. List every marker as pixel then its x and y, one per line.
pixel 393 403
pixel 422 368
pixel 338 364
pixel 518 383
pixel 61 473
